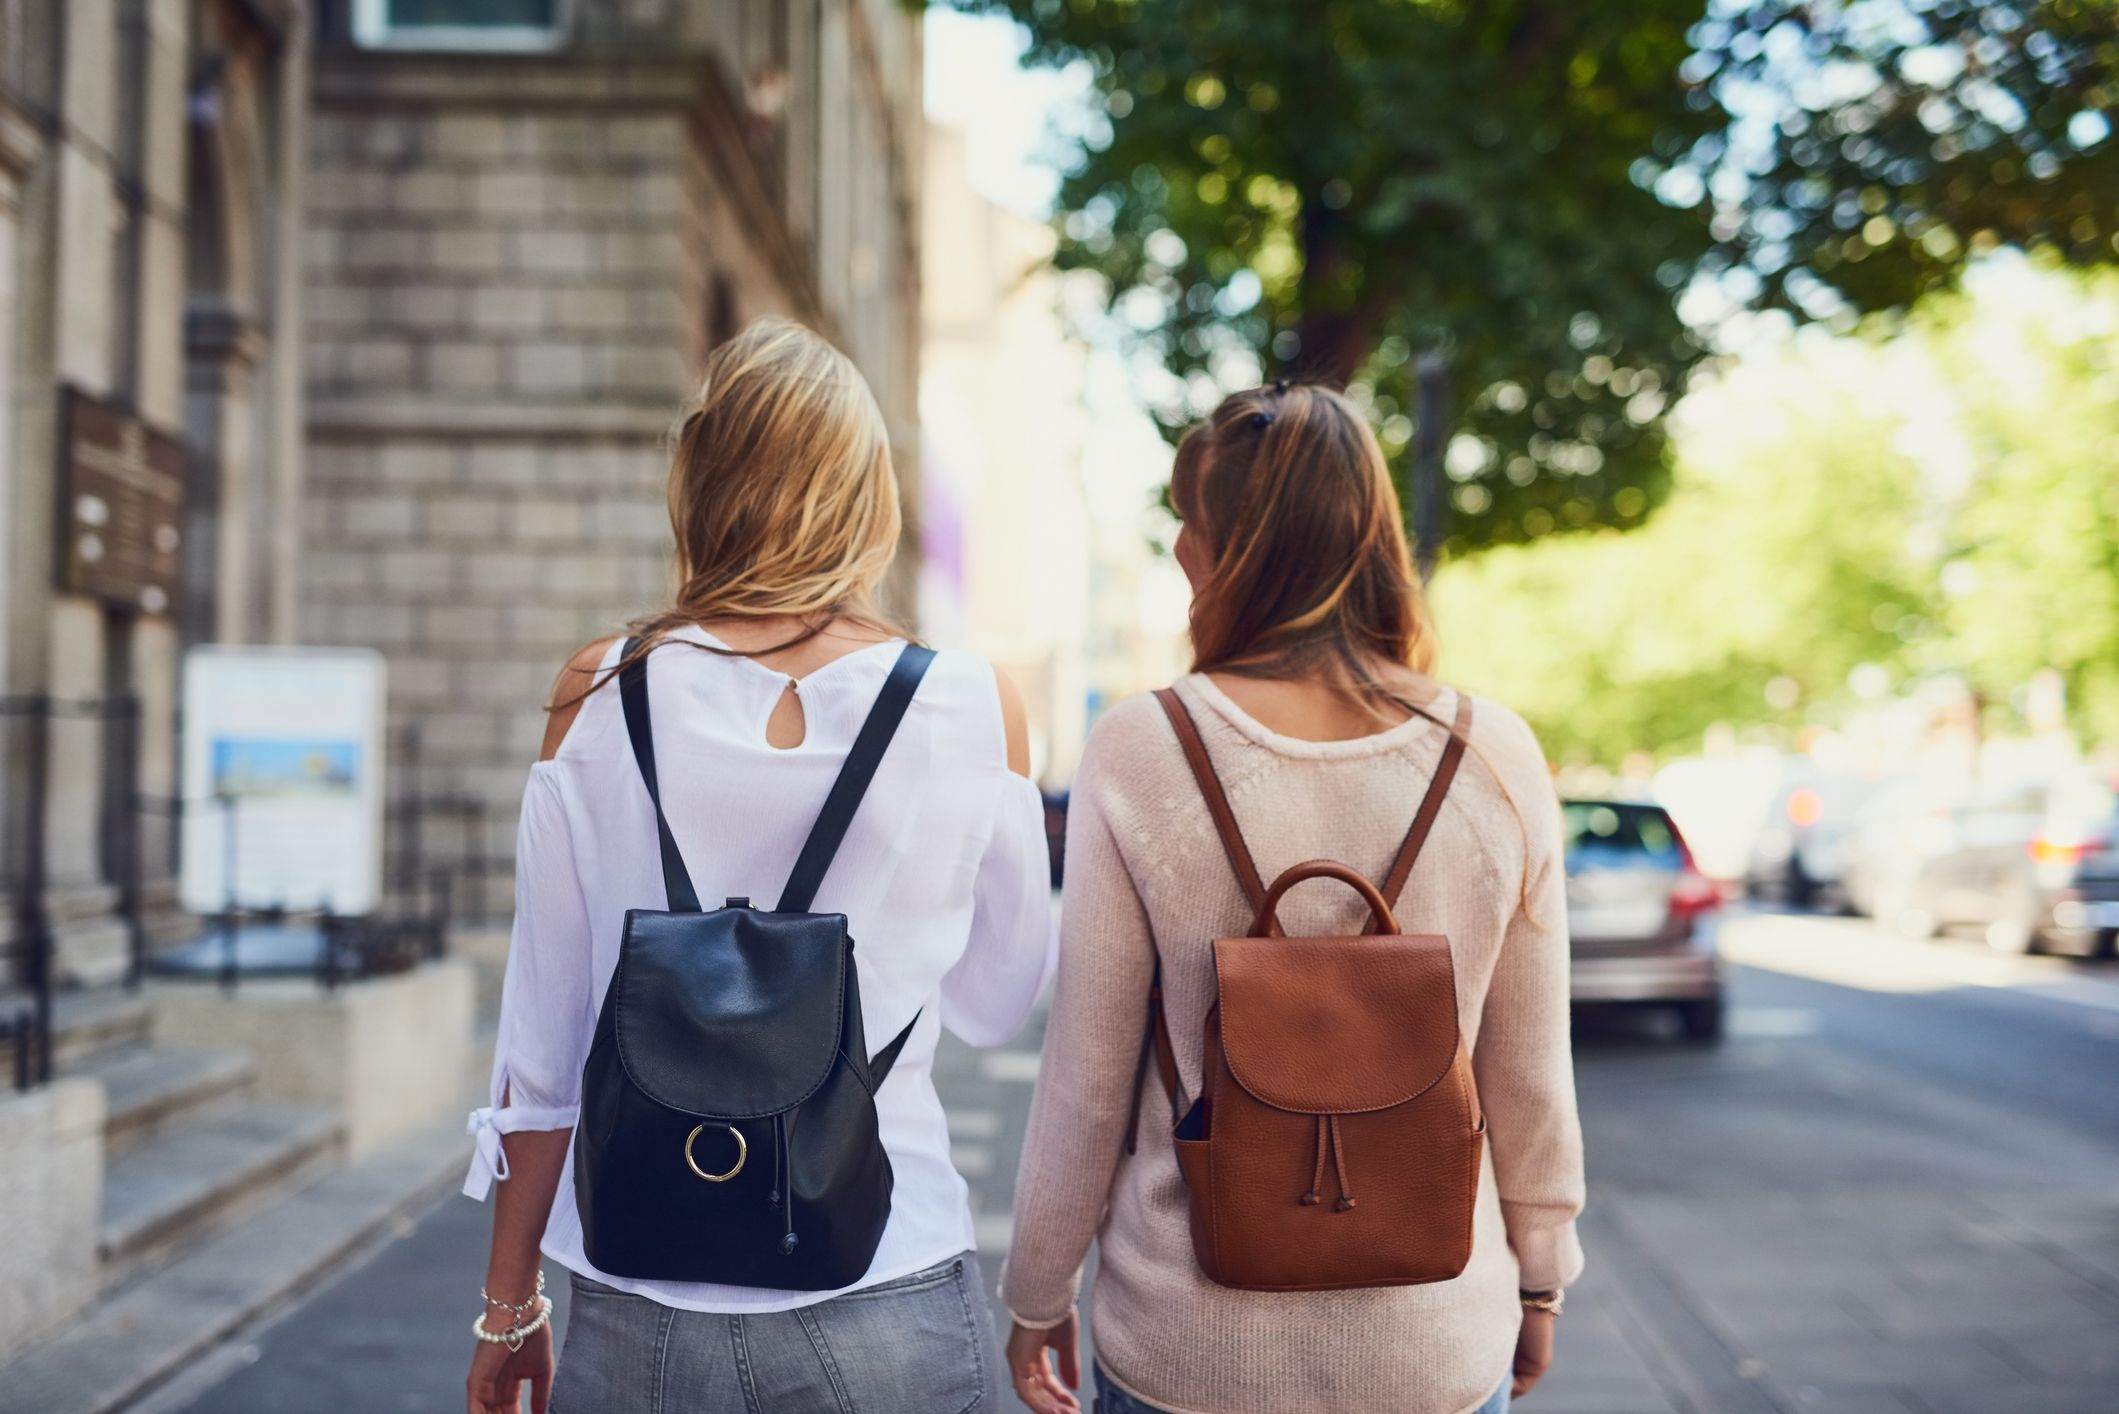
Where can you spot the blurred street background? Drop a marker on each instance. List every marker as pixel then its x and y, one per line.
pixel 1750 369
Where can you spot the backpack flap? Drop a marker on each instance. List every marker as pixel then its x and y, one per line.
pixel 731 1014
pixel 1336 1025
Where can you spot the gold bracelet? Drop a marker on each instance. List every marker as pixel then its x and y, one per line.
pixel 1550 1302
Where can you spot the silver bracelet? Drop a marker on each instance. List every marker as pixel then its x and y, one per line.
pixel 515 1335
pixel 519 1309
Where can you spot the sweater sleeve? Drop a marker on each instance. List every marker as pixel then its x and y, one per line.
pixel 1524 1062
pixel 1084 1093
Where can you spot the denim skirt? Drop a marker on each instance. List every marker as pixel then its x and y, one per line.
pixel 920 1343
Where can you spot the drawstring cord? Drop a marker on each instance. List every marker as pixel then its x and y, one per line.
pixel 782 1164
pixel 1328 1128
pixel 1346 1185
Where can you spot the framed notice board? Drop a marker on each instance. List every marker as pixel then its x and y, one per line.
pixel 283 755
pixel 120 504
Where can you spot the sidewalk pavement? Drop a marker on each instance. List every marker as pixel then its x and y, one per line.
pixel 1869 1200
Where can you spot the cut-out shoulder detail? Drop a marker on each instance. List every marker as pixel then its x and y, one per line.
pixel 1015 723
pixel 575 682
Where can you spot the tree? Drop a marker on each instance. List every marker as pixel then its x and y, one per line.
pixel 1514 196
pixel 1944 501
pixel 2031 578
pixel 1872 149
pixel 1782 554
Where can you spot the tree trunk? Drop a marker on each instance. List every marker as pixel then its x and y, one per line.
pixel 1337 329
pixel 1430 436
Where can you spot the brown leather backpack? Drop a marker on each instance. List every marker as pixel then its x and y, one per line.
pixel 1326 1052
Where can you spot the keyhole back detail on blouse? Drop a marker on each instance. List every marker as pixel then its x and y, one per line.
pixel 787 727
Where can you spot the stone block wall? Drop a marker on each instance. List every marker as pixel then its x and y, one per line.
pixel 51 1197
pixel 515 266
pixel 481 254
pixel 477 568
pixel 501 333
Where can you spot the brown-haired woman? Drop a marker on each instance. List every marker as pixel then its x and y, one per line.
pixel 785 513
pixel 1310 689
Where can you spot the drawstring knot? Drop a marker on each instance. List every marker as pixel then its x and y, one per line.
pixel 1328 1136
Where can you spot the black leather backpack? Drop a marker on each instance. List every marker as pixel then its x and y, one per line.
pixel 728 1119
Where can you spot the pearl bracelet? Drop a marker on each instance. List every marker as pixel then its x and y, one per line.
pixel 515 1335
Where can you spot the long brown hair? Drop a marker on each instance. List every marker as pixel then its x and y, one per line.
pixel 1310 574
pixel 1288 488
pixel 782 496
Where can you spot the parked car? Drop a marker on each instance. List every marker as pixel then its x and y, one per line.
pixel 1643 918
pixel 2032 865
pixel 1800 855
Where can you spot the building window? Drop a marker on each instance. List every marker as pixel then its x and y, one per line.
pixel 460 24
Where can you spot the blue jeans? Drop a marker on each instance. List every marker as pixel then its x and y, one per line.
pixel 917 1345
pixel 1110 1399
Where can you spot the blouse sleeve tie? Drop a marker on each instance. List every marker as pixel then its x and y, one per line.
pixel 487 1125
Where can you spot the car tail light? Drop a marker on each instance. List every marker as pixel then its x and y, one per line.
pixel 1694 893
pixel 2051 851
pixel 1805 808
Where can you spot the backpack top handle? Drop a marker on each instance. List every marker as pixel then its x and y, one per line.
pixel 1381 920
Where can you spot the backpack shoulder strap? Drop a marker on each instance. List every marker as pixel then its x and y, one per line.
pixel 1430 805
pixel 1202 765
pixel 1155 1040
pixel 881 1063
pixel 632 695
pixel 844 799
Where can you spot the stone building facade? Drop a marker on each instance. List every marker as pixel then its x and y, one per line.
pixel 384 309
pixel 417 297
pixel 515 264
pixel 149 160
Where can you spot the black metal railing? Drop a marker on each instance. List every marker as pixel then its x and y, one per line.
pixel 26 953
pixel 429 879
pixel 423 893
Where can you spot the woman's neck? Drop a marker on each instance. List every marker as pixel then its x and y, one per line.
pixel 796 645
pixel 1326 706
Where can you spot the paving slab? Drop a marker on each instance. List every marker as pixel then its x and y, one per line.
pixel 207 1171
pixel 149 1331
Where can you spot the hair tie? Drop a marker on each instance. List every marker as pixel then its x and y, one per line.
pixel 1261 420
pixel 1280 385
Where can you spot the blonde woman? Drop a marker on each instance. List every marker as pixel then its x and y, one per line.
pixel 785 511
pixel 1311 693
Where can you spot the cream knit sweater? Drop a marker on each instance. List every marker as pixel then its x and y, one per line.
pixel 1142 856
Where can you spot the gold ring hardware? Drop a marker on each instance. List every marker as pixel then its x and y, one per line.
pixel 742 1153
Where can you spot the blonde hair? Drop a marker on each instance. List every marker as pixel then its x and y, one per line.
pixel 781 492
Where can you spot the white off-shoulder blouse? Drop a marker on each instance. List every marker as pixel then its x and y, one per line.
pixel 943 877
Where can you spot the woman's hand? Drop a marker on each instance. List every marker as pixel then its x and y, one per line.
pixel 1031 1368
pixel 498 1375
pixel 1533 1351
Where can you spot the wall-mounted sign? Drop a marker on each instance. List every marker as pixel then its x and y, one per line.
pixel 283 778
pixel 121 506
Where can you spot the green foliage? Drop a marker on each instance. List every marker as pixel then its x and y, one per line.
pixel 1523 190
pixel 1945 501
pixel 2033 569
pixel 1875 147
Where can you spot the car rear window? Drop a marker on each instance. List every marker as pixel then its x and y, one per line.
pixel 1616 833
